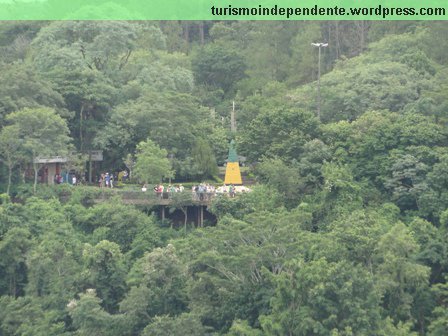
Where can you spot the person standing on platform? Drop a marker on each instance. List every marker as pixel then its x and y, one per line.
pixel 232 191
pixel 107 180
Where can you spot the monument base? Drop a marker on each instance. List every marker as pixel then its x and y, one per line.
pixel 233 174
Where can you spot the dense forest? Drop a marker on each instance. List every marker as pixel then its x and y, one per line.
pixel 345 232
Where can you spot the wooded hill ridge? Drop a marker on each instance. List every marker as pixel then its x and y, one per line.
pixel 346 232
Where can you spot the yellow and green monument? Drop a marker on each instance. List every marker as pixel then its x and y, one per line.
pixel 233 174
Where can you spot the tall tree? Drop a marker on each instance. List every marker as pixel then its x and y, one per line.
pixel 321 297
pixel 281 132
pixel 204 160
pixel 106 272
pixel 14 246
pixel 89 318
pixel 183 325
pixel 170 119
pixel 22 87
pixel 89 95
pixel 158 281
pixel 10 151
pixel 44 134
pixel 218 67
pixel 104 46
pixel 152 164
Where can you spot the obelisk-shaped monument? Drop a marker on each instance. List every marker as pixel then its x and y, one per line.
pixel 233 174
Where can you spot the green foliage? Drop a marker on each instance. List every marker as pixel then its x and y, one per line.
pixel 278 132
pixel 242 328
pixel 104 268
pixel 216 66
pixel 303 60
pixel 89 318
pixel 88 94
pixel 399 275
pixel 204 160
pixel 10 152
pixel 152 164
pixel 84 44
pixel 394 88
pixel 158 283
pixel 346 233
pixel 322 297
pixel 39 124
pixel 118 223
pixel 41 133
pixel 185 324
pixel 13 248
pixel 407 180
pixel 400 329
pixel 161 75
pixel 232 272
pixel 170 119
pixel 439 326
pixel 22 87
pixel 298 178
pixel 25 316
pixel 359 231
pixel 340 186
pixel 54 270
pixel 366 142
pixel 269 97
pixel 389 76
pixel 260 199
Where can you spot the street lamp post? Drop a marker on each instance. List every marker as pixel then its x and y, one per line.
pixel 318 45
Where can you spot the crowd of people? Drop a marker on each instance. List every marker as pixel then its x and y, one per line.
pixel 69 178
pixel 160 189
pixel 200 192
pixel 106 180
pixel 203 192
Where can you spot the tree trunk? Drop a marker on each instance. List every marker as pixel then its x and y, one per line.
pixel 90 167
pixel 9 179
pixel 22 173
pixel 185 218
pixel 185 211
pixel 80 128
pixel 35 176
pixel 338 40
pixel 363 36
pixel 13 285
pixel 187 35
pixel 201 32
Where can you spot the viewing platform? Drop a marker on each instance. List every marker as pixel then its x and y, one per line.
pixel 193 205
pixel 150 198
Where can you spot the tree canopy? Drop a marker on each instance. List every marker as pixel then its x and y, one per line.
pixel 344 230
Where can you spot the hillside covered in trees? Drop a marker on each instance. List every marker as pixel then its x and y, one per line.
pixel 345 233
